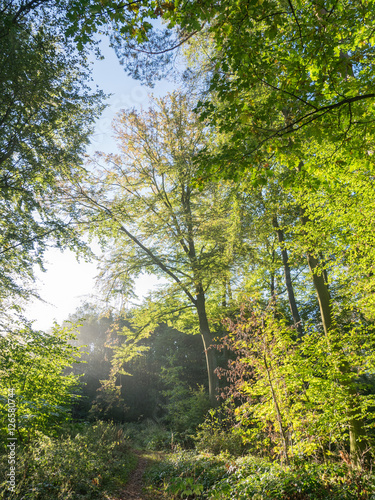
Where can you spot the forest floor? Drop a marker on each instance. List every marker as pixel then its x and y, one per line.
pixel 135 487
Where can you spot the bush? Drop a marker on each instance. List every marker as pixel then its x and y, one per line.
pixel 225 478
pixel 217 434
pixel 149 435
pixel 186 409
pixel 83 463
pixel 310 482
pixel 181 470
pixel 33 378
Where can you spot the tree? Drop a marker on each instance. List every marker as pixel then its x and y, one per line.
pixel 143 203
pixel 150 386
pixel 47 113
pixel 161 383
pixel 309 62
pixel 32 366
pixel 292 87
pixel 95 336
pixel 293 394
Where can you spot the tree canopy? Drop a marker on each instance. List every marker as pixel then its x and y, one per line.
pixel 281 72
pixel 47 113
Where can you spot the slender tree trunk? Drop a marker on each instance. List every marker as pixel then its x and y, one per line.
pixel 224 296
pixel 210 353
pixel 230 297
pixel 272 289
pixel 324 299
pixel 278 412
pixel 357 444
pixel 288 280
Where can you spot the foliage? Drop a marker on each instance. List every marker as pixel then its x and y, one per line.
pixel 159 223
pixel 287 106
pixel 35 365
pixel 224 477
pixel 82 462
pixel 185 410
pixel 341 229
pixel 158 382
pixel 108 404
pixel 149 435
pixel 85 18
pixel 155 386
pixel 142 201
pixel 176 472
pixel 296 392
pixel 284 72
pixel 183 487
pixel 96 336
pixel 218 433
pixel 47 113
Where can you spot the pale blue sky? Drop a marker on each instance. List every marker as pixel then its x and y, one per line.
pixel 68 282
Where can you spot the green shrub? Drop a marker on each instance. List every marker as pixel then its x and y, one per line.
pixel 180 470
pixel 225 478
pixel 78 465
pixel 186 410
pixel 217 434
pixel 34 375
pixel 309 482
pixel 149 435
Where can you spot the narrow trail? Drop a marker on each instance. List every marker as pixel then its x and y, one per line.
pixel 133 488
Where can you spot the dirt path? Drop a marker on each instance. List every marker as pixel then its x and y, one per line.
pixel 133 488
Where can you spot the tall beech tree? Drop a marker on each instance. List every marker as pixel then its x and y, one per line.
pixel 143 203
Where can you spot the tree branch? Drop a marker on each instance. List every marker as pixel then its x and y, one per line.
pixel 169 49
pixel 154 257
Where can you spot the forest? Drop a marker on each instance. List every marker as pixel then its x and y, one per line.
pixel 248 370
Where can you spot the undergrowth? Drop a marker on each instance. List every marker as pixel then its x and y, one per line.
pixel 84 462
pixel 188 475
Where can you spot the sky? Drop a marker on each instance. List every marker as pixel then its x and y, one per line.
pixel 67 283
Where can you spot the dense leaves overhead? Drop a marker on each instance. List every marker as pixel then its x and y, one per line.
pixel 47 111
pixel 283 71
pixel 309 59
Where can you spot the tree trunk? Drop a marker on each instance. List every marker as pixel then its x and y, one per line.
pixel 224 296
pixel 322 292
pixel 210 353
pixel 357 445
pixel 277 411
pixel 324 299
pixel 288 279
